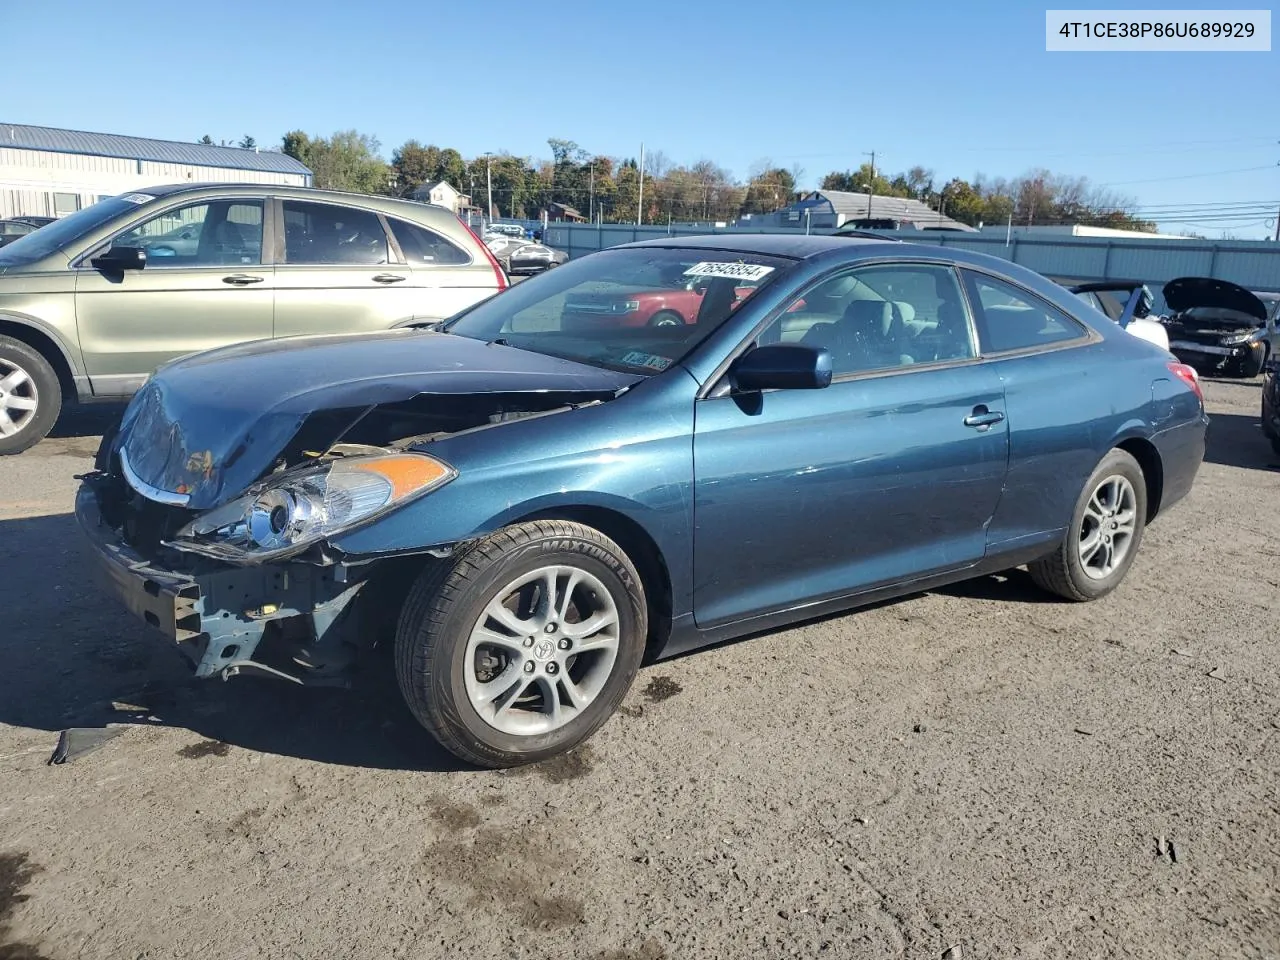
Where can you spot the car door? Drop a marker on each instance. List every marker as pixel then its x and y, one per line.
pixel 205 284
pixel 890 473
pixel 1055 399
pixel 338 272
pixel 443 277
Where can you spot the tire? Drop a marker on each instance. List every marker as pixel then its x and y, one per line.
pixel 1078 574
pixel 1251 364
pixel 666 318
pixel 446 662
pixel 26 379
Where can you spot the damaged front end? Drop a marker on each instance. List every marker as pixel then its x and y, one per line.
pixel 214 519
pixel 1217 325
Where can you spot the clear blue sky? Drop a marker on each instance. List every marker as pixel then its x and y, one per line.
pixel 957 87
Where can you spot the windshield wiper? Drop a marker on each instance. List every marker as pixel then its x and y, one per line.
pixel 498 342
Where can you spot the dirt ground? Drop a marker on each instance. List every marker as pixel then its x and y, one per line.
pixel 979 772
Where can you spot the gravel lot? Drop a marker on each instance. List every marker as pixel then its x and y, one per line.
pixel 978 770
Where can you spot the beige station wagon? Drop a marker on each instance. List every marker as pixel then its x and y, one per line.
pixel 92 303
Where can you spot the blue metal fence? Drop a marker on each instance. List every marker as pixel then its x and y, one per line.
pixel 1251 263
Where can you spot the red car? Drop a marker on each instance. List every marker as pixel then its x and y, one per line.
pixel 660 306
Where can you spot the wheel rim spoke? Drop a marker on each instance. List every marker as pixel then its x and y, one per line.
pixel 7 427
pixel 506 682
pixel 504 617
pixel 588 629
pixel 20 403
pixel 14 379
pixel 1089 548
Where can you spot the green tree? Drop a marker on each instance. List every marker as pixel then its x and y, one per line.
pixel 247 142
pixel 347 160
pixel 768 190
pixel 206 140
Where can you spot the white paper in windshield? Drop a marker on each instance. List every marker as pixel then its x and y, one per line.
pixel 136 197
pixel 731 271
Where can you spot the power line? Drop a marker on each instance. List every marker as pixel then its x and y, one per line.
pixel 1188 176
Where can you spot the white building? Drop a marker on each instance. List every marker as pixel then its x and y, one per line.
pixel 442 194
pixel 46 172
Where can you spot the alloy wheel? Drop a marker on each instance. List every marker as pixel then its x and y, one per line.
pixel 19 398
pixel 542 650
pixel 1107 527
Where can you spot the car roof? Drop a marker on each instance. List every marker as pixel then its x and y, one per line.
pixel 302 193
pixel 793 246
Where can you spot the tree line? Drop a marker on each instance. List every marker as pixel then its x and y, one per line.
pixel 704 192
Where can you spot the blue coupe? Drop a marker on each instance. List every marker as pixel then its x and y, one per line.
pixel 536 495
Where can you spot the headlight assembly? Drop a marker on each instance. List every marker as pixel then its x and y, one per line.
pixel 1252 336
pixel 301 507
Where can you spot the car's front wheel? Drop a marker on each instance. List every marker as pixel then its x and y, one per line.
pixel 523 645
pixel 30 396
pixel 666 318
pixel 1106 529
pixel 1251 364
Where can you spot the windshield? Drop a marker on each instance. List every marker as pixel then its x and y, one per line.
pixel 66 230
pixel 638 310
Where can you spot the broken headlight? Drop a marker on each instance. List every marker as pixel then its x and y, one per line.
pixel 303 506
pixel 1248 336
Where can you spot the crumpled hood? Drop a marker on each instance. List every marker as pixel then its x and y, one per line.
pixel 1184 293
pixel 210 424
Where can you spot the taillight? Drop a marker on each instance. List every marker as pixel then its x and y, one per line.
pixel 1188 376
pixel 488 255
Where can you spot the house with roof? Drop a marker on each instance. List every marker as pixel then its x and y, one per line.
pixel 442 194
pixel 829 209
pixel 48 172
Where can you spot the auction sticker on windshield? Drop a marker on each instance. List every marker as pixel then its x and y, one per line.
pixel 136 197
pixel 731 271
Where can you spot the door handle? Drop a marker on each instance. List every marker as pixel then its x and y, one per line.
pixel 242 279
pixel 388 278
pixel 983 418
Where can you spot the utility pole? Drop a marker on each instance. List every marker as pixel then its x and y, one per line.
pixel 1277 236
pixel 488 176
pixel 871 187
pixel 591 204
pixel 640 202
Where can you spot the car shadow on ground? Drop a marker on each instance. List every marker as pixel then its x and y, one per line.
pixel 72 657
pixel 1236 440
pixel 87 420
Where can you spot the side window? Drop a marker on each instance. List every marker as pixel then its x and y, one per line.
pixel 1010 318
pixel 422 246
pixel 320 233
pixel 881 318
pixel 217 233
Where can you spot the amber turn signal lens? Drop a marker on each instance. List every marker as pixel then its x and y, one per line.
pixel 406 472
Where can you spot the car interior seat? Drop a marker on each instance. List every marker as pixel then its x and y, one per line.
pixel 868 336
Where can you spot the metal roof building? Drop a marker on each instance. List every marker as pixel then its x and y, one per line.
pixel 45 171
pixel 835 208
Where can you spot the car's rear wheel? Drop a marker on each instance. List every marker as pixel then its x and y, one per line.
pixel 666 318
pixel 30 396
pixel 520 648
pixel 1106 530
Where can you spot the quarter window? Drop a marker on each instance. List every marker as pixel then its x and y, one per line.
pixel 421 246
pixel 320 233
pixel 881 318
pixel 1010 318
pixel 217 233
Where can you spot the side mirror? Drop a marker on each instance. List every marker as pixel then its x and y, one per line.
pixel 121 258
pixel 782 366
